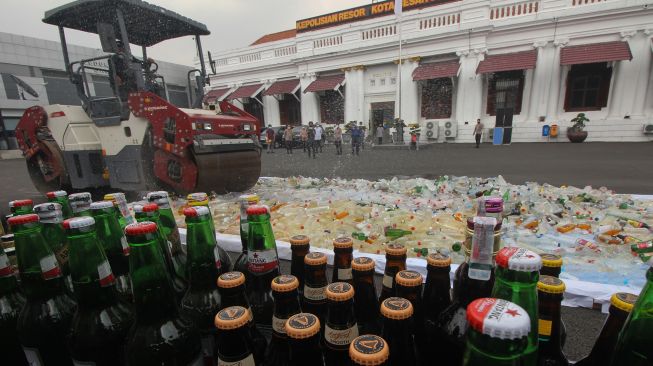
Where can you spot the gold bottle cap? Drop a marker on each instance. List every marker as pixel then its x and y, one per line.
pixel 551 260
pixel 315 259
pixel 285 283
pixel 362 264
pixel 232 317
pixel 369 350
pixel 551 285
pixel 299 240
pixel 198 199
pixel 343 242
pixel 396 308
pixel 438 260
pixel 231 279
pixel 408 278
pixel 623 301
pixel 395 249
pixel 339 291
pixel 249 198
pixel 302 325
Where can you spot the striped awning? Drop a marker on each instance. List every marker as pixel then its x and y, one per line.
pixel 215 95
pixel 325 83
pixel 246 91
pixel 508 62
pixel 436 70
pixel 283 87
pixel 595 52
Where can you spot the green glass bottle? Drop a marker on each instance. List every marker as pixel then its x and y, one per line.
pixel 103 318
pixel 80 203
pixel 61 197
pixel 169 226
pixel 516 276
pixel 150 212
pixel 634 345
pixel 51 219
pixel 114 244
pixel 21 207
pixel 202 199
pixel 12 301
pixel 122 210
pixel 160 336
pixel 44 322
pixel 202 299
pixel 245 200
pixel 394 233
pixel 497 334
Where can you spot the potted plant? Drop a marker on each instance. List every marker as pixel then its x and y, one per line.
pixel 576 133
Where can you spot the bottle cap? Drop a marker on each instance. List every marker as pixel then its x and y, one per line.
pixel 114 196
pixel 257 210
pixel 369 350
pixel 7 238
pixel 519 259
pixel 231 279
pixel 156 195
pixel 299 240
pixel 343 243
pixel 196 211
pixel 285 283
pixel 20 203
pixel 315 259
pixel 101 205
pixel 249 198
pixel 623 301
pixel 362 264
pixel 494 205
pixel 551 260
pixel 22 219
pixel 339 291
pixel 140 228
pixel 302 325
pixel 47 209
pixel 550 285
pixel 138 207
pixel 198 199
pixel 498 318
pixel 81 197
pixel 232 317
pixel 438 260
pixel 395 249
pixel 408 278
pixel 150 207
pixel 78 222
pixel 54 194
pixel 396 308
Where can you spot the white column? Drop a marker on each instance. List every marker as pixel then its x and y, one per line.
pixel 360 105
pixel 538 83
pixel 469 93
pixel 409 94
pixel 624 74
pixel 648 100
pixel 271 110
pixel 642 58
pixel 354 93
pixel 556 81
pixel 310 105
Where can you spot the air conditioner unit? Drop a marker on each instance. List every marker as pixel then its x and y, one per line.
pixel 450 129
pixel 432 129
pixel 648 129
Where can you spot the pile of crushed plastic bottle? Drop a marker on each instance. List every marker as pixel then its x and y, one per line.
pixel 603 237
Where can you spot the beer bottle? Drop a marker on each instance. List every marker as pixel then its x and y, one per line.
pixel 160 336
pixel 202 199
pixel 498 333
pixel 633 347
pixel 12 301
pixel 102 319
pixel 202 299
pixel 517 273
pixel 61 197
pixel 409 286
pixel 621 304
pixel 340 328
pixel 233 348
pixel 122 210
pixel 314 299
pixel 366 302
pixel 343 249
pixel 286 304
pixel 232 293
pixel 552 266
pixel 21 207
pixel 303 332
pixel 369 350
pixel 549 291
pixel 169 224
pixel 397 316
pixel 299 247
pixel 262 266
pixel 44 322
pixel 51 219
pixel 150 212
pixel 80 203
pixel 245 200
pixel 115 246
pixel 436 292
pixel 395 261
pixel 473 279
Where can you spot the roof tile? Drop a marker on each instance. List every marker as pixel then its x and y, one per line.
pixel 278 36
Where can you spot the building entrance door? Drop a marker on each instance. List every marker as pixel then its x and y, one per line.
pixel 382 114
pixel 507 94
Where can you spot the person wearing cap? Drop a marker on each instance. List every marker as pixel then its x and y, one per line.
pixel 312 147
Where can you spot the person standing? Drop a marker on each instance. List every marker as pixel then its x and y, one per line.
pixel 317 140
pixel 287 136
pixel 363 134
pixel 413 141
pixel 337 139
pixel 400 130
pixel 478 131
pixel 303 135
pixel 379 134
pixel 393 134
pixel 269 138
pixel 355 140
pixel 311 140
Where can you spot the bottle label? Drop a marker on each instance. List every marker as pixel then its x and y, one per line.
pixel 208 351
pixel 315 293
pixel 279 325
pixel 62 254
pixel 387 281
pixel 105 274
pixel 262 261
pixel 247 361
pixel 33 356
pixel 50 267
pixel 340 337
pixel 5 266
pixel 544 328
pixel 125 246
pixel 344 274
pixel 216 256
pixel 480 261
pixel 83 363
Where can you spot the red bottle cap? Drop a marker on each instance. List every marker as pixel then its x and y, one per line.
pixel 150 207
pixel 498 318
pixel 140 228
pixel 257 210
pixel 21 203
pixel 78 222
pixel 22 219
pixel 519 259
pixel 196 211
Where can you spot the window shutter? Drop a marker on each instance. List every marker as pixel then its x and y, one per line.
pixel 520 94
pixel 604 92
pixel 568 88
pixel 491 96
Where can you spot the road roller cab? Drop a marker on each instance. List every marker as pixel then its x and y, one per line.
pixel 135 139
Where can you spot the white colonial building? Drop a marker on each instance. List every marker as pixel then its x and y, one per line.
pixel 524 64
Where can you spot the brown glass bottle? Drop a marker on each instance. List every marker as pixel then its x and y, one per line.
pixel 366 302
pixel 621 304
pixel 303 332
pixel 395 261
pixel 340 327
pixel 286 304
pixel 369 350
pixel 314 299
pixel 397 314
pixel 233 348
pixel 552 266
pixel 549 291
pixel 300 246
pixel 343 249
pixel 437 290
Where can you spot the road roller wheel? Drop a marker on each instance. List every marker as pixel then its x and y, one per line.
pixel 227 171
pixel 47 169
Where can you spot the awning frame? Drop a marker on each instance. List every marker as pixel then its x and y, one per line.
pixel 252 96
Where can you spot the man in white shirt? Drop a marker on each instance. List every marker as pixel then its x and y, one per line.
pixel 318 136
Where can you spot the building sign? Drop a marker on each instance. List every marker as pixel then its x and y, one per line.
pixel 362 12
